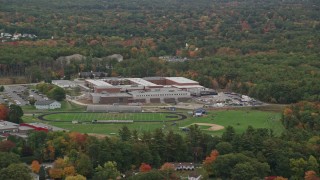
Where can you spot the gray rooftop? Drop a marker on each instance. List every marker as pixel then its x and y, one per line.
pixel 46 102
pixel 111 94
pixel 8 125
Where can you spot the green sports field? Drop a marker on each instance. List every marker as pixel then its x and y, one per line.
pixel 239 119
pixel 85 117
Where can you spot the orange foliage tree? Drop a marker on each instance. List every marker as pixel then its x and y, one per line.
pixel 56 173
pixel 144 167
pixel 167 167
pixel 311 175
pixel 207 163
pixel 4 110
pixel 35 166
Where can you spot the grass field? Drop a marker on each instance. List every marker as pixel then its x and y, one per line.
pixel 239 119
pixel 81 117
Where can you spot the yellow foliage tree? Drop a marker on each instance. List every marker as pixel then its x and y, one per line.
pixel 69 171
pixel 77 177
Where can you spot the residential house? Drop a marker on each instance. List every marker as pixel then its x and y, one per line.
pixel 47 104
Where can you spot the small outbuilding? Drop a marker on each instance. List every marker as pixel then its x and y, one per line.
pixel 47 104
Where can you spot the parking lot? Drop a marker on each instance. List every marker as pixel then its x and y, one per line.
pixel 19 95
pixel 223 99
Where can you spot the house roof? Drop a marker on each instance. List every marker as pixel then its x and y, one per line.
pixel 46 102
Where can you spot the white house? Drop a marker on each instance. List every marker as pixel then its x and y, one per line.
pixel 47 104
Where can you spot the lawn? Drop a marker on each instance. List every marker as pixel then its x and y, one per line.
pixel 239 119
pixel 82 117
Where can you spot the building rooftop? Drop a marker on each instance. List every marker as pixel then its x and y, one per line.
pixel 98 82
pixel 159 91
pixel 111 94
pixel 46 126
pixel 153 78
pixel 45 102
pixel 142 82
pixel 181 80
pixel 7 125
pixel 188 86
pixel 63 83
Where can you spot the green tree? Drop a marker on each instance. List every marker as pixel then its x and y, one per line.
pixel 8 158
pixel 124 133
pixel 224 148
pixel 107 171
pixel 154 175
pixel 57 93
pixel 16 171
pixel 228 134
pixel 42 173
pixel 84 166
pixel 15 113
pixel 243 171
pixel 1 88
pixel 313 164
pixel 298 168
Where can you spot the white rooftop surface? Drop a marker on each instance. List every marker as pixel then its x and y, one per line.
pixel 189 86
pixel 142 82
pixel 53 128
pixel 63 82
pixel 98 82
pixel 181 80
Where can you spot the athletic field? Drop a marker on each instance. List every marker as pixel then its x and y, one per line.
pixel 239 119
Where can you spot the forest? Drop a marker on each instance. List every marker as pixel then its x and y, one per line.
pixel 253 154
pixel 266 49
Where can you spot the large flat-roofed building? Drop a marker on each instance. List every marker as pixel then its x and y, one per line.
pixel 142 90
pixel 93 82
pixel 177 82
pixel 110 98
pixel 142 82
pixel 160 96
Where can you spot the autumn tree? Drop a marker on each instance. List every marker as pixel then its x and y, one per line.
pixel 7 146
pixel 167 167
pixel 76 177
pixel 4 112
pixel 207 163
pixel 35 166
pixel 69 171
pixel 144 167
pixel 311 175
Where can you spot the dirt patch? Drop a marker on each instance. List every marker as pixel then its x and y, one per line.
pixel 214 127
